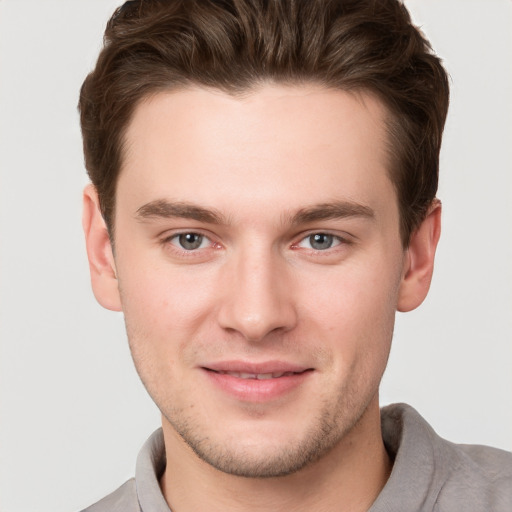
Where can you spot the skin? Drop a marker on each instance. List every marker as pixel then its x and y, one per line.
pixel 261 175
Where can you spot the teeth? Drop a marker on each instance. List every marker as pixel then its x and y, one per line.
pixel 258 376
pixel 243 375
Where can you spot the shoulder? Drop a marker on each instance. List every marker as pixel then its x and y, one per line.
pixel 142 492
pixel 481 476
pixel 431 473
pixel 487 462
pixel 124 499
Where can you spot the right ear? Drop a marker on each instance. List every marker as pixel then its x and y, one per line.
pixel 99 252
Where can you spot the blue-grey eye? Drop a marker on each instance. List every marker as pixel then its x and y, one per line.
pixel 190 241
pixel 321 241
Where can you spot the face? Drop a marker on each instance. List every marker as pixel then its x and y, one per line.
pixel 259 263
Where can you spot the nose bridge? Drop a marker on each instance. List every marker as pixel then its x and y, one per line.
pixel 258 300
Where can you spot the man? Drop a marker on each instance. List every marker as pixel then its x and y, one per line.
pixel 262 203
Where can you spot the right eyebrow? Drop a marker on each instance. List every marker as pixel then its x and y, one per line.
pixel 164 209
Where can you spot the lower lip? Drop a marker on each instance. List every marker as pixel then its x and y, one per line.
pixel 255 390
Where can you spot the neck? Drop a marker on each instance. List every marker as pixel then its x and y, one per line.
pixel 349 477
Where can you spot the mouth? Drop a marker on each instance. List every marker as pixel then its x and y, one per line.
pixel 258 376
pixel 256 382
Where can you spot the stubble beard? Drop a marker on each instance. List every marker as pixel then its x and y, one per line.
pixel 321 437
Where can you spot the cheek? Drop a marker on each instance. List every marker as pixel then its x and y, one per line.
pixel 362 295
pixel 164 298
pixel 158 324
pixel 162 314
pixel 355 309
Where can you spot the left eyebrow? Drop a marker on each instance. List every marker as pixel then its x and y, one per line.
pixel 334 210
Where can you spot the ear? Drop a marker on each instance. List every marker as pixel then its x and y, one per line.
pixel 419 260
pixel 99 252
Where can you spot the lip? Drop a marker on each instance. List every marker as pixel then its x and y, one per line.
pixel 263 382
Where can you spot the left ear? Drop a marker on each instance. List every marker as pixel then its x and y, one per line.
pixel 419 260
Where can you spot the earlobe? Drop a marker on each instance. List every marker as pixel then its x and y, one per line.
pixel 419 260
pixel 99 252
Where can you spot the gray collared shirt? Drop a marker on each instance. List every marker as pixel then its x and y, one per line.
pixel 429 473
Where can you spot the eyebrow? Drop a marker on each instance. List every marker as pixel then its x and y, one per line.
pixel 164 209
pixel 333 210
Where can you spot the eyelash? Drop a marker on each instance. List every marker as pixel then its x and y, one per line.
pixel 188 252
pixel 336 239
pixel 333 239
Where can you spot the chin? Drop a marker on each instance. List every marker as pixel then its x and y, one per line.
pixel 271 450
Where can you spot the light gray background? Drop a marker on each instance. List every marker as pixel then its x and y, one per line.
pixel 73 414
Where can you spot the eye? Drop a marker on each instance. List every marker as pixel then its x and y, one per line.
pixel 319 241
pixel 190 241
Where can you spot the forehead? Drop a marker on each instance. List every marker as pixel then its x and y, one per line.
pixel 275 145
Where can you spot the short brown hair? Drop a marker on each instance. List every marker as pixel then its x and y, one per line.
pixel 234 45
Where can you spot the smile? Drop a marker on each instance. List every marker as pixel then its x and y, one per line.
pixel 257 383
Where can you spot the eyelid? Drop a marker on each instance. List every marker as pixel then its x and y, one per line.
pixel 169 234
pixel 175 240
pixel 336 241
pixel 166 239
pixel 343 239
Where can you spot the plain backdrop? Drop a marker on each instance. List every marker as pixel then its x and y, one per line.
pixel 73 413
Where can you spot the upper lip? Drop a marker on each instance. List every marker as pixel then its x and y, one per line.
pixel 255 368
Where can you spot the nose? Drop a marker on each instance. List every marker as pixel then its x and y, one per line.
pixel 258 299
